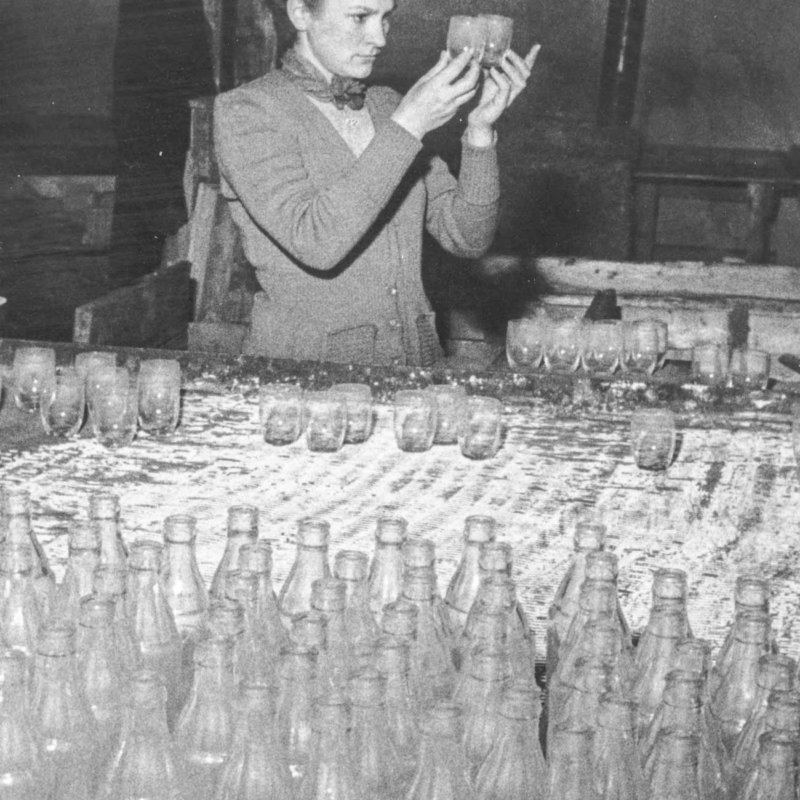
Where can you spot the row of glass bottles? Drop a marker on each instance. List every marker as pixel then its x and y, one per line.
pixel 418 695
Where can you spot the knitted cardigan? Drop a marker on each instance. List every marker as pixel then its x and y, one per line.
pixel 335 239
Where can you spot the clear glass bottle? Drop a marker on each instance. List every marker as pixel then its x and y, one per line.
pixel 110 584
pixel 22 765
pixel 694 655
pixel 259 659
pixel 432 672
pixel 331 773
pixel 20 613
pixel 310 564
pixel 204 732
pixel 70 738
pixel 751 593
pixel 154 629
pixel 328 598
pixel 665 629
pixel 385 580
pixel 603 565
pixel 100 668
pixel 488 629
pixel 257 768
pixel 242 528
pixel 146 763
pixel 378 767
pixel 442 772
pixel 617 771
pixel 257 559
pixel 297 691
pixel 420 553
pixel 392 660
pixel 311 630
pixel 774 776
pixel 226 619
pixel 588 537
pixel 670 589
pixel 570 764
pixel 464 584
pixel 515 768
pixel 480 696
pixel 675 767
pixel 82 560
pixel 735 697
pixel 775 673
pixel 351 567
pixel 15 509
pixel 104 515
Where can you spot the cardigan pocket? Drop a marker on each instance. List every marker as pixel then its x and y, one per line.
pixel 352 345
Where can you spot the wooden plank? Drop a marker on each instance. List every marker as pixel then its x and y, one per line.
pixel 684 279
pixel 223 247
pixel 201 226
pixel 152 312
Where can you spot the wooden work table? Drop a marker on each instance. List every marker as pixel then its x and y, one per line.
pixel 727 504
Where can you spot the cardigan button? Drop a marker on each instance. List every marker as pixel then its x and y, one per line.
pixel 393 290
pixel 393 323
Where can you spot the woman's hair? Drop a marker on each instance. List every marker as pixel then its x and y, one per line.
pixel 284 30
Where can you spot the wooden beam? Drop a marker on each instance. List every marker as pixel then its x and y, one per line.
pixel 681 279
pixel 153 312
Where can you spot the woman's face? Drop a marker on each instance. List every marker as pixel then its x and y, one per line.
pixel 344 37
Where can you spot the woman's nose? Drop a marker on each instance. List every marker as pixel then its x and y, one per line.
pixel 377 35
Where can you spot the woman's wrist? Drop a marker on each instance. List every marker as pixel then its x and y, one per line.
pixel 479 135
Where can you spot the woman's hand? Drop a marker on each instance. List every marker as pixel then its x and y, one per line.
pixel 436 97
pixel 501 86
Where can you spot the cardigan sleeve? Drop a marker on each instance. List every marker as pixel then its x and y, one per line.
pixel 260 158
pixel 462 215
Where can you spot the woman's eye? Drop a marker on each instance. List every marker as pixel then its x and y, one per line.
pixel 360 18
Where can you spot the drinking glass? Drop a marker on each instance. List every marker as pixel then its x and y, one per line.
pixel 564 345
pixel 653 438
pixel 280 412
pixel 602 348
pixel 115 407
pixel 86 362
pixel 662 335
pixel 34 372
pixel 498 31
pixel 326 420
pixel 709 361
pixel 63 406
pixel 641 351
pixel 414 420
pixel 159 395
pixel 749 369
pixel 481 427
pixel 449 402
pixel 465 33
pixel 358 399
pixel 525 341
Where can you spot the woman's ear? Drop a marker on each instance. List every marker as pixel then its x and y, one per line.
pixel 299 14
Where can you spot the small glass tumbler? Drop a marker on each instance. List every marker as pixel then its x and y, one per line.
pixel 525 341
pixel 564 345
pixel 498 31
pixel 115 408
pixel 709 362
pixel 326 420
pixel 653 438
pixel 63 407
pixel 749 369
pixel 159 395
pixel 449 403
pixel 662 335
pixel 86 362
pixel 602 347
pixel 465 33
pixel 34 373
pixel 641 350
pixel 280 412
pixel 415 414
pixel 481 427
pixel 358 397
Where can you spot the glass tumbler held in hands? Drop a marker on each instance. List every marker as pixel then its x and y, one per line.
pixel 498 31
pixel 465 33
pixel 34 373
pixel 64 405
pixel 159 395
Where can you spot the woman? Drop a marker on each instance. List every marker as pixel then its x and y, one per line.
pixel 332 189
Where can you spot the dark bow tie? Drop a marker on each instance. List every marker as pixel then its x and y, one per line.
pixel 340 91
